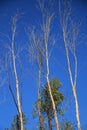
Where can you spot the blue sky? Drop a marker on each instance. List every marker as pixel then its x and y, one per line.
pixel 32 17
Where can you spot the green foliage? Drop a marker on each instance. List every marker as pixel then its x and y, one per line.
pixel 66 125
pixel 16 122
pixel 46 104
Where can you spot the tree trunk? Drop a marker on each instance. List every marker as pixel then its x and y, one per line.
pixel 18 95
pixel 73 84
pixel 77 108
pixel 16 77
pixel 39 103
pixel 49 89
pixel 49 123
pixel 53 103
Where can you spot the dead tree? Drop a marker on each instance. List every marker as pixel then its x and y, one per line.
pixel 6 62
pixel 36 55
pixel 11 48
pixel 14 22
pixel 47 17
pixel 70 35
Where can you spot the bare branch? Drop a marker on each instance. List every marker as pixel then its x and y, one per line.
pixel 70 33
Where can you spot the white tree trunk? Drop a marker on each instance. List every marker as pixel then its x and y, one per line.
pixel 53 103
pixel 77 108
pixel 16 77
pixel 73 83
pixel 18 95
pixel 49 88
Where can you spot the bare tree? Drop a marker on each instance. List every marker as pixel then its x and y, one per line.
pixel 70 34
pixel 14 22
pixel 47 17
pixel 36 54
pixel 6 64
pixel 11 57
